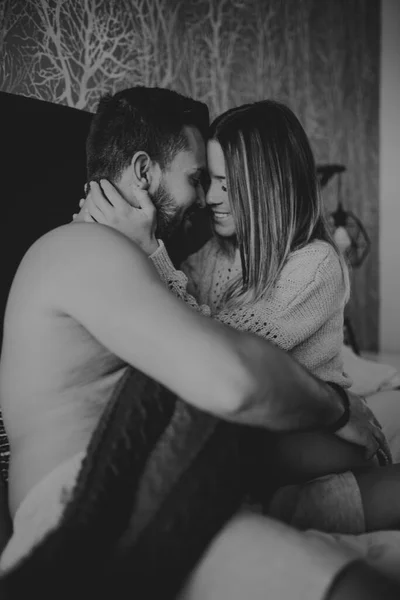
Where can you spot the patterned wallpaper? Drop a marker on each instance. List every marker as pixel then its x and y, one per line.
pixel 321 57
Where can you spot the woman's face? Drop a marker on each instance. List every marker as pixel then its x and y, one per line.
pixel 217 196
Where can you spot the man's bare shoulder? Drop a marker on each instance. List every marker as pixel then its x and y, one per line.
pixel 78 264
pixel 74 247
pixel 75 236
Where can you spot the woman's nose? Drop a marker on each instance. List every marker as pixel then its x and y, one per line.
pixel 211 197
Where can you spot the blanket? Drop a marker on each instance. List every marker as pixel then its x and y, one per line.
pixel 160 479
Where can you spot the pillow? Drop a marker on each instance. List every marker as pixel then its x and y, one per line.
pixel 369 376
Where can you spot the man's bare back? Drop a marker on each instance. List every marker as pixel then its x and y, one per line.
pixel 55 377
pixel 79 289
pixel 55 381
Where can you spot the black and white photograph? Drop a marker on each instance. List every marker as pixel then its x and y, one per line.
pixel 200 300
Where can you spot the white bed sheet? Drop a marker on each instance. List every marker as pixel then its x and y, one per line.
pixel 382 548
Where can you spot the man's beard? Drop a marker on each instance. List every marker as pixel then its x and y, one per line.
pixel 169 217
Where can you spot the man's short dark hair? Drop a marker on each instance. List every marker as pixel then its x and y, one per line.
pixel 140 118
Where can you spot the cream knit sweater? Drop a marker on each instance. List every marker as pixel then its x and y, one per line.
pixel 303 314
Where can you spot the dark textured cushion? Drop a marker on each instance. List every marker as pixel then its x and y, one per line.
pixel 159 481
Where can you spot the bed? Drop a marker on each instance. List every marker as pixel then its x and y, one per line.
pixel 54 139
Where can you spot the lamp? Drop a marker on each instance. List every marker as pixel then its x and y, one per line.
pixel 349 233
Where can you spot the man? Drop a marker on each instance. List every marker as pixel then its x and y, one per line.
pixel 170 162
pixel 86 304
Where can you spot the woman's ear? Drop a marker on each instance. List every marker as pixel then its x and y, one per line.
pixel 141 170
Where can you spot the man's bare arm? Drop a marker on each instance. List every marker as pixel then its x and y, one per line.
pixel 99 278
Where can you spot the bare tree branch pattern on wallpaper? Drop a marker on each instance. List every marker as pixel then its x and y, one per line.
pixel 321 57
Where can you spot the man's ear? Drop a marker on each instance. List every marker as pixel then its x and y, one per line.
pixel 141 165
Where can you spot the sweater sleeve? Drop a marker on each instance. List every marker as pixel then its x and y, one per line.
pixel 176 281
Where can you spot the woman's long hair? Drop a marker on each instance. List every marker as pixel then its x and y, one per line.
pixel 273 192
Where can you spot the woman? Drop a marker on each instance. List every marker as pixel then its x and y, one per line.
pixel 271 255
pixel 271 268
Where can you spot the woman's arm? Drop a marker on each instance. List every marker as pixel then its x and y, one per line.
pixel 176 280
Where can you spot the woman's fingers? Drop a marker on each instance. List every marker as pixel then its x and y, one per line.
pixel 95 212
pixel 90 219
pixel 144 201
pixel 112 194
pixel 109 192
pixel 141 196
pixel 107 206
pixel 97 199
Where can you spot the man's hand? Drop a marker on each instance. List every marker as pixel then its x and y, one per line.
pixel 105 205
pixel 363 429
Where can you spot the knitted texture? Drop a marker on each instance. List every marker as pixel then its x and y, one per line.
pixel 303 314
pixel 103 497
pixel 4 451
pixel 160 479
pixel 176 281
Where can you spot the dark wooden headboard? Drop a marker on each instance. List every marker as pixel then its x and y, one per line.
pixel 43 171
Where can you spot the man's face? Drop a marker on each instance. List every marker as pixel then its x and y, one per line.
pixel 180 191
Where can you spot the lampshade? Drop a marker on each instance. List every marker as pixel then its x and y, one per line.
pixel 342 239
pixel 348 231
